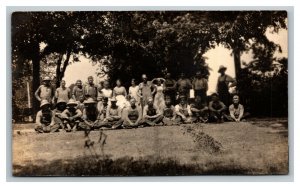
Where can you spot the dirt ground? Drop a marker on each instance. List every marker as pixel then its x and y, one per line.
pixel 254 147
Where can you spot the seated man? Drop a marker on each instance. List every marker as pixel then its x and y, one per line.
pixel 45 119
pixel 60 107
pixel 183 111
pixel 169 113
pixel 199 110
pixel 132 115
pixel 236 110
pixel 90 115
pixel 151 114
pixel 113 116
pixel 71 116
pixel 103 108
pixel 217 108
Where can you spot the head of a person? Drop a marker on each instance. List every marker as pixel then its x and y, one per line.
pixel 168 101
pixel 79 83
pixel 90 80
pixel 133 82
pixel 144 78
pixel 113 102
pixel 236 99
pixel 90 103
pixel 198 74
pixel 214 97
pixel 61 105
pixel 159 82
pixel 105 101
pixel 132 102
pixel 168 75
pixel 72 104
pixel 198 99
pixel 183 100
pixel 118 82
pixel 81 98
pixel 106 84
pixel 182 75
pixel 45 105
pixel 150 101
pixel 46 81
pixel 63 83
pixel 222 69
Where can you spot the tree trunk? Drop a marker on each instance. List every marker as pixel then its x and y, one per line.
pixel 35 80
pixel 237 64
pixel 61 74
pixel 57 84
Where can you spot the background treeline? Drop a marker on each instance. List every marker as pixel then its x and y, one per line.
pixel 126 44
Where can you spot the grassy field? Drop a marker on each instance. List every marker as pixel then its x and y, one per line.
pixel 253 147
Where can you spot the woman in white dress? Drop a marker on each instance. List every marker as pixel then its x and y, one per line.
pixel 133 91
pixel 120 94
pixel 159 100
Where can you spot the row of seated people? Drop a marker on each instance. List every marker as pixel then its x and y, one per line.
pixel 86 116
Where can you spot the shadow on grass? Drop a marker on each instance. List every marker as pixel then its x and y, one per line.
pixel 127 166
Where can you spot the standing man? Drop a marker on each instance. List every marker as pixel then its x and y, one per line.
pixel 224 82
pixel 146 90
pixel 63 93
pixel 200 86
pixel 90 90
pixel 45 122
pixel 183 85
pixel 170 88
pixel 78 91
pixel 45 91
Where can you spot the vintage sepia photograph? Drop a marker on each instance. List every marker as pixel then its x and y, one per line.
pixel 149 93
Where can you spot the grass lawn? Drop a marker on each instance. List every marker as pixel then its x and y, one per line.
pixel 253 147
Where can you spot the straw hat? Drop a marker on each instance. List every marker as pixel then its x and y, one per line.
pixel 72 102
pixel 44 102
pixel 89 101
pixel 222 68
pixel 113 99
pixel 215 94
pixel 46 78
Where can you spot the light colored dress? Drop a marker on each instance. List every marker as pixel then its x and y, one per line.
pixel 159 100
pixel 120 93
pixel 133 92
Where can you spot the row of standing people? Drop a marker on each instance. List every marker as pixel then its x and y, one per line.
pixel 163 87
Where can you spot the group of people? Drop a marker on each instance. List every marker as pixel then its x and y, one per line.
pixel 162 101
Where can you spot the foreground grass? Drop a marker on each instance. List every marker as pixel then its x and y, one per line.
pixel 215 149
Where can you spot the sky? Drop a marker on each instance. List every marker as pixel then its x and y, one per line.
pixel 215 57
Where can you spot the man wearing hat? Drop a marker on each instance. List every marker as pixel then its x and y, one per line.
pixel 217 109
pixel 71 116
pixel 90 117
pixel 151 114
pixel 45 91
pixel 200 86
pixel 113 116
pixel 224 82
pixel 45 122
pixel 59 108
pixel 132 115
pixel 183 110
